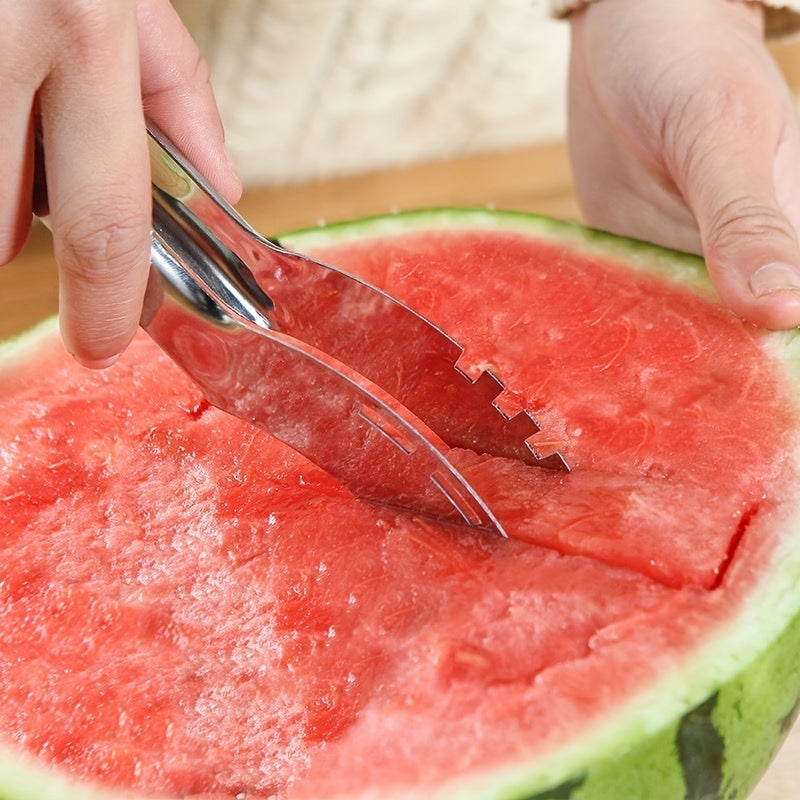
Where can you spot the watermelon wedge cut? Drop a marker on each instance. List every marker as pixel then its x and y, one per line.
pixel 189 609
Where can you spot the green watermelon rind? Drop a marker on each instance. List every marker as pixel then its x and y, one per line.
pixel 21 349
pixel 735 696
pixel 677 266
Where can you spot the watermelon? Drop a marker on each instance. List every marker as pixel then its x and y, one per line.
pixel 191 609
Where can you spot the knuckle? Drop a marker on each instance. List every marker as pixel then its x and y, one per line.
pixel 194 73
pixel 199 73
pixel 99 248
pixel 693 124
pixel 86 24
pixel 743 219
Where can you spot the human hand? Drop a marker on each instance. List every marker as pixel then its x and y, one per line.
pixel 683 132
pixel 90 71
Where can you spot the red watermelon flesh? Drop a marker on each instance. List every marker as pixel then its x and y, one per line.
pixel 642 390
pixel 190 607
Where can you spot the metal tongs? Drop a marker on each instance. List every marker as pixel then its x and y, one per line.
pixel 344 373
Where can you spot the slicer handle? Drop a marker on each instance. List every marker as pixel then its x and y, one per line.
pixel 195 237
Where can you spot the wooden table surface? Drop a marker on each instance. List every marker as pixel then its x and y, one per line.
pixel 535 180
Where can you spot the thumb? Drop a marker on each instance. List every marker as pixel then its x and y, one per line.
pixel 177 94
pixel 750 244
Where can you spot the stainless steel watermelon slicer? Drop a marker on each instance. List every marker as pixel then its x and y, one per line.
pixel 344 373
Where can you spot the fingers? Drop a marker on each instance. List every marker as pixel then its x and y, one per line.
pixel 19 77
pixel 98 181
pixel 749 239
pixel 703 121
pixel 16 176
pixel 620 187
pixel 177 95
pixel 114 63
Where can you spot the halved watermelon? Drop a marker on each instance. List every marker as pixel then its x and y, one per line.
pixel 190 609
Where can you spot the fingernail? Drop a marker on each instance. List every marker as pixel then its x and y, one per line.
pixel 100 363
pixel 774 277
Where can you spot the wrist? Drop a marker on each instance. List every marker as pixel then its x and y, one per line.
pixel 782 16
pixel 563 8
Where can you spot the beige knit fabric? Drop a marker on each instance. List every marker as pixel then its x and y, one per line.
pixel 315 88
pixel 311 89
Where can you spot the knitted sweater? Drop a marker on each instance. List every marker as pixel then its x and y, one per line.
pixel 310 89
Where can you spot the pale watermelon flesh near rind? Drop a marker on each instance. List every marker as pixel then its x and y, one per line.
pixel 353 652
